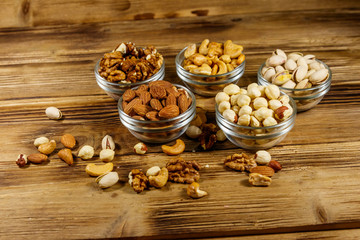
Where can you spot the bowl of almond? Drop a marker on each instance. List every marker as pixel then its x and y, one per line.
pixel 157 112
pixel 206 68
pixel 256 117
pixel 128 66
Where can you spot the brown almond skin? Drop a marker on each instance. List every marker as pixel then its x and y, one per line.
pixel 156 104
pixel 275 165
pixel 66 155
pixel 263 170
pixel 68 141
pixel 169 111
pixel 128 95
pixel 37 158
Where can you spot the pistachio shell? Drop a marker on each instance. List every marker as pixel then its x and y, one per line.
pixel 280 52
pixel 290 64
pixel 279 69
pixel 309 58
pixel 319 76
pixel 311 71
pixel 300 73
pixel 315 65
pixel 302 84
pixel 275 60
pixel 301 61
pixel 295 55
pixel 281 78
pixel 289 84
pixel 269 73
pixel 107 180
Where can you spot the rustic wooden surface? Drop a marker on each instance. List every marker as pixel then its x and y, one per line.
pixel 48 50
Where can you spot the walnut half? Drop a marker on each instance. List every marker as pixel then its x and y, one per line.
pixel 240 162
pixel 182 171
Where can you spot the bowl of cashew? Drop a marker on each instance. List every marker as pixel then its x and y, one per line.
pixel 206 68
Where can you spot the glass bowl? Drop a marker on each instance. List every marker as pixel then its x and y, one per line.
pixel 306 98
pixel 115 90
pixel 159 131
pixel 207 85
pixel 256 138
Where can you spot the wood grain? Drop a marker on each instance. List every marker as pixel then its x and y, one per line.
pixel 47 57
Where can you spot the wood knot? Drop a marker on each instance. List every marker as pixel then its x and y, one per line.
pixel 200 12
pixel 25 7
pixel 321 214
pixel 144 16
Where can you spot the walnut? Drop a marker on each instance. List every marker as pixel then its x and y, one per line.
pixel 128 63
pixel 182 171
pixel 240 162
pixel 208 136
pixel 139 180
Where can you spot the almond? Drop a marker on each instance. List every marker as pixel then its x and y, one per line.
pixel 141 109
pixel 68 140
pixel 183 103
pixel 129 107
pixel 156 104
pixel 263 170
pixel 37 158
pixel 137 117
pixel 47 148
pixel 66 155
pixel 171 100
pixel 173 90
pixel 152 115
pixel 128 95
pixel 275 165
pixel 157 92
pixel 145 97
pixel 169 111
pixel 142 88
pixel 161 83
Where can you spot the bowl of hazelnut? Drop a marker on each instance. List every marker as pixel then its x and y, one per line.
pixel 256 117
pixel 303 77
pixel 157 112
pixel 208 67
pixel 128 66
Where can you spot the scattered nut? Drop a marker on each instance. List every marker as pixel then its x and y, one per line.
pixel 53 113
pixel 153 171
pixel 68 141
pixel 107 180
pixel 220 136
pixel 263 170
pixel 160 179
pixel 176 149
pixel 107 155
pixel 275 165
pixel 66 155
pixel 97 170
pixel 108 142
pixel 193 131
pixel 140 148
pixel 193 191
pixel 37 158
pixel 47 148
pixel 138 180
pixel 22 160
pixel 182 171
pixel 239 162
pixel 256 179
pixel 86 152
pixel 262 157
pixel 40 140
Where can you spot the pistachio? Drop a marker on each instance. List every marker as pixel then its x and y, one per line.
pixel 301 61
pixel 290 64
pixel 107 180
pixel 107 155
pixel 289 84
pixel 268 73
pixel 300 73
pixel 53 113
pixel 280 52
pixel 319 76
pixel 279 69
pixel 295 56
pixel 108 143
pixel 281 77
pixel 275 60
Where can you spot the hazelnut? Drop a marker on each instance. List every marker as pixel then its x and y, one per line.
pixel 221 96
pixel 40 140
pixel 220 136
pixel 193 131
pixel 231 89
pixel 230 115
pixel 224 106
pixel 86 152
pixel 21 160
pixel 243 100
pixel 260 102
pixel 262 157
pixel 107 155
pixel 140 148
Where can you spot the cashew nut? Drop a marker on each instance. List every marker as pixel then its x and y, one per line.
pixel 199 59
pixel 205 69
pixel 190 50
pixel 240 59
pixel 97 170
pixel 214 69
pixel 160 179
pixel 203 49
pixel 215 49
pixel 232 49
pixel 190 67
pixel 193 190
pixel 222 67
pixel 229 67
pixel 176 149
pixel 225 58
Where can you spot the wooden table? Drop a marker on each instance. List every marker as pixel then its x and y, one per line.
pixel 48 51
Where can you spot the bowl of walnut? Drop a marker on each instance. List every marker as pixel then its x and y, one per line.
pixel 157 112
pixel 128 66
pixel 256 117
pixel 303 77
pixel 208 67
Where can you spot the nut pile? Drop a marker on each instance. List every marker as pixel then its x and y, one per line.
pixel 261 167
pixel 294 71
pixel 256 106
pixel 213 58
pixel 156 101
pixel 130 64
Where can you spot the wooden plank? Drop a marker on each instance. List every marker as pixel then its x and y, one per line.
pixel 25 13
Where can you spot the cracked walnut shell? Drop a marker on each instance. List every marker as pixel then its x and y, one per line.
pixel 240 162
pixel 182 171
